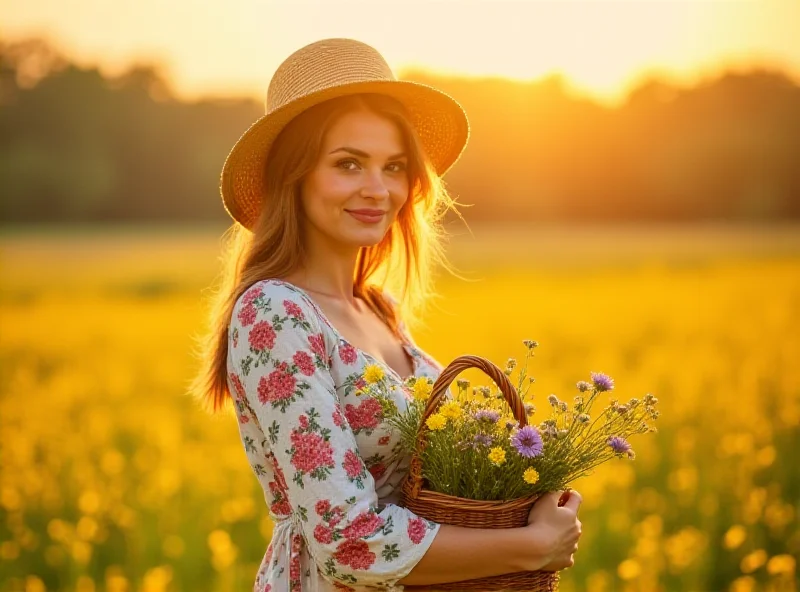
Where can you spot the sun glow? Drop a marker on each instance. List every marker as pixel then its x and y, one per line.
pixel 599 46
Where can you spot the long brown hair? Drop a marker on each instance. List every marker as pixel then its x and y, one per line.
pixel 402 262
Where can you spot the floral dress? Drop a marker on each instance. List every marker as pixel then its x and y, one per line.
pixel 325 458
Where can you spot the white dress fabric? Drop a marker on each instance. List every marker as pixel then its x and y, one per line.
pixel 327 461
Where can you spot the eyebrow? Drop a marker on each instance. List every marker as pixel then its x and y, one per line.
pixel 363 154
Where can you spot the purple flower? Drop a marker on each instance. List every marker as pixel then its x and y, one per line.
pixel 583 386
pixel 482 439
pixel 602 382
pixel 619 445
pixel 528 442
pixel 486 415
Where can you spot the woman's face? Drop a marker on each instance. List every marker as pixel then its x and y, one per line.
pixel 359 183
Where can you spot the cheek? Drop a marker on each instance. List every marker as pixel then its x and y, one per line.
pixel 322 193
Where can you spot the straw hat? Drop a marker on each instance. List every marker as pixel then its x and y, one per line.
pixel 324 70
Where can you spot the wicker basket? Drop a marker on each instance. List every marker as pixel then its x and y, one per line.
pixel 448 509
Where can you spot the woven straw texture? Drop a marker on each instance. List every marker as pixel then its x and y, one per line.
pixel 457 511
pixel 321 71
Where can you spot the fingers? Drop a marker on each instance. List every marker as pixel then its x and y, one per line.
pixel 574 501
pixel 551 498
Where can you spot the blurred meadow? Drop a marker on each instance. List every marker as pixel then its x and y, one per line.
pixel 111 478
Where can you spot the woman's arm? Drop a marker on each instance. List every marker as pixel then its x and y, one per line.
pixel 280 369
pixel 459 553
pixel 548 543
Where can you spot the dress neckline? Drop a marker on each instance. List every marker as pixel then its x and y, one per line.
pixel 407 346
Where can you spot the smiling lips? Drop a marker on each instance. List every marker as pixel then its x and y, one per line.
pixel 367 215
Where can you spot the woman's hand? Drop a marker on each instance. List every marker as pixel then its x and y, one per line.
pixel 554 530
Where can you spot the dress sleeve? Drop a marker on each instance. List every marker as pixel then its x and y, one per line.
pixel 283 362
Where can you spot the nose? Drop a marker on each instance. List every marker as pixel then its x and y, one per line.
pixel 374 186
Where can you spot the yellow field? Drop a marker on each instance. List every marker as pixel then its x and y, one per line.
pixel 111 478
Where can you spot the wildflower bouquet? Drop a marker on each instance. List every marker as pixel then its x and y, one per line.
pixel 478 460
pixel 472 446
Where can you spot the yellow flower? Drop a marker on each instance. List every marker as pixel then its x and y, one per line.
pixel 373 373
pixel 437 421
pixel 497 455
pixel 422 389
pixel 451 410
pixel 530 475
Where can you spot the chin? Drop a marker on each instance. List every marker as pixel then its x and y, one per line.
pixel 366 239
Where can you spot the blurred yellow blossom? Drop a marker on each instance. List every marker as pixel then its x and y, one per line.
pixel 629 569
pixel 781 565
pixel 735 536
pixel 752 561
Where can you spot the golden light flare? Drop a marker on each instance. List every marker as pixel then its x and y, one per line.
pixel 600 47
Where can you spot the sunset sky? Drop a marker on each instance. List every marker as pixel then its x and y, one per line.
pixel 233 46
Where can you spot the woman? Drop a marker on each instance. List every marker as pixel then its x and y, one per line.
pixel 337 195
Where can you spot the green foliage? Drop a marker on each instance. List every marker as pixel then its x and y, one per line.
pixel 76 146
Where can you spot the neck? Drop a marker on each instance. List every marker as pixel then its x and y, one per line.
pixel 328 268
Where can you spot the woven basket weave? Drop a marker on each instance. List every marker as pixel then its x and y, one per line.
pixel 457 511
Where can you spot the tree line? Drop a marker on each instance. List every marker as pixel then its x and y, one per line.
pixel 78 146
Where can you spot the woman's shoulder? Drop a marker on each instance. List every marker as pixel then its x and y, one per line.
pixel 275 298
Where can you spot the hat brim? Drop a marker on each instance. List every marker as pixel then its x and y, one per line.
pixel 440 121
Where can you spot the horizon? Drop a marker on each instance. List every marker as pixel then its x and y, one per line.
pixel 693 41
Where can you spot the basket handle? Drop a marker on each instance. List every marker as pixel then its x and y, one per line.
pixel 438 394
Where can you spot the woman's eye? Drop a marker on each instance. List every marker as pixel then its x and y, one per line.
pixel 342 164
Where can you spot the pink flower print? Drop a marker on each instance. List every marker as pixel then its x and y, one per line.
pixel 238 388
pixel 364 525
pixel 347 353
pixel 251 295
pixel 317 343
pixel 355 554
pixel 247 315
pixel 268 588
pixel 338 418
pixel 323 534
pixel 310 452
pixel 337 516
pixel 383 441
pixel 367 415
pixel 416 530
pixel 268 557
pixel 377 470
pixel 293 310
pixel 279 477
pixel 304 363
pixel 294 564
pixel 278 386
pixel 280 505
pixel 262 336
pixel 322 506
pixel 360 383
pixel 352 464
pixel 303 421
